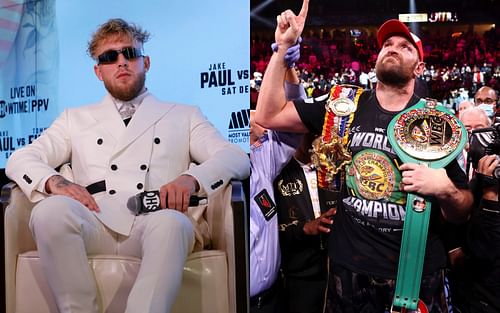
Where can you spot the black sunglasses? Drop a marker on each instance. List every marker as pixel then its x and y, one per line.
pixel 111 56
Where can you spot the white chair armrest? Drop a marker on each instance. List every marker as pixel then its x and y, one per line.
pixel 18 239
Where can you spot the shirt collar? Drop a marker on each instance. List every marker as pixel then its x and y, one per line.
pixel 136 102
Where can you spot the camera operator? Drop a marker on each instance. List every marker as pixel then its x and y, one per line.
pixel 475 257
pixel 483 241
pixel 477 285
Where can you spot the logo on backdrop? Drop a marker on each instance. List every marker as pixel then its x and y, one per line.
pixel 239 127
pixel 228 80
pixel 9 143
pixel 23 99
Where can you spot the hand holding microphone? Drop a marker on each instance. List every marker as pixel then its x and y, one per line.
pixel 174 195
pixel 149 201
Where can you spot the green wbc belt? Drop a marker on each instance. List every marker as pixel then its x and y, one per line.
pixel 425 133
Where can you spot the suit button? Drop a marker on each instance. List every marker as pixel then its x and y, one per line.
pixel 112 192
pixel 114 167
pixel 99 141
pixel 140 185
pixel 157 140
pixel 217 184
pixel 27 179
pixel 144 167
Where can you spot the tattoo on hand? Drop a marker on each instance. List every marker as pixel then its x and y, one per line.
pixel 59 182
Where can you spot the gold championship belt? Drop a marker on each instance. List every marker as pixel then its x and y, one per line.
pixel 330 153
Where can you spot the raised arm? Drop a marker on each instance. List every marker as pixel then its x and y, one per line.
pixel 273 109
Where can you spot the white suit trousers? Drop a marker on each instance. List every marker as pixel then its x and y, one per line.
pixel 66 232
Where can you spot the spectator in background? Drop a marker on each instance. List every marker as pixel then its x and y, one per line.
pixel 270 151
pixel 322 84
pixel 477 78
pixel 464 105
pixel 472 118
pixel 364 79
pixel 304 216
pixel 486 98
pixel 256 80
pixel 465 49
pixel 372 76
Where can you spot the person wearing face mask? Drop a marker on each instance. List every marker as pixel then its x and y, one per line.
pixel 486 98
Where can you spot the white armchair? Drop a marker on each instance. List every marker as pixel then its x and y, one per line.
pixel 208 285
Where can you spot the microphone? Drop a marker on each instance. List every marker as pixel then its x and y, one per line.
pixel 149 201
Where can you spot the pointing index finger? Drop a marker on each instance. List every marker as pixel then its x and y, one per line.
pixel 303 10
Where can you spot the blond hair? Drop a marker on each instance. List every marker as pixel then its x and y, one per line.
pixel 116 27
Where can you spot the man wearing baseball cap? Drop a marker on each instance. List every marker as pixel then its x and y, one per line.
pixel 365 238
pixel 395 27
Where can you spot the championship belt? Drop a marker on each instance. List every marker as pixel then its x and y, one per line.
pixel 330 153
pixel 426 134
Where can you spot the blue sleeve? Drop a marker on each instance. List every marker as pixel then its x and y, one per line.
pixel 272 153
pixel 295 91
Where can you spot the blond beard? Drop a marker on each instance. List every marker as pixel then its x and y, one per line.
pixel 127 94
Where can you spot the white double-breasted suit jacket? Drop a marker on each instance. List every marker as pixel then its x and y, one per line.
pixel 160 143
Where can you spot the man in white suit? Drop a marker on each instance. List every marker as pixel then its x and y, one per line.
pixel 128 143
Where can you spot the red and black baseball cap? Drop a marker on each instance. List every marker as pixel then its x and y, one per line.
pixel 395 27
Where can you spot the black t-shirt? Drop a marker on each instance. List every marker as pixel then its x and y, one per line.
pixel 483 247
pixel 367 229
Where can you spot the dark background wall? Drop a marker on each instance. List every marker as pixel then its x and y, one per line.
pixel 370 12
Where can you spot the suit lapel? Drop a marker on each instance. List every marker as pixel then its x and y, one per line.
pixel 108 117
pixel 148 113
